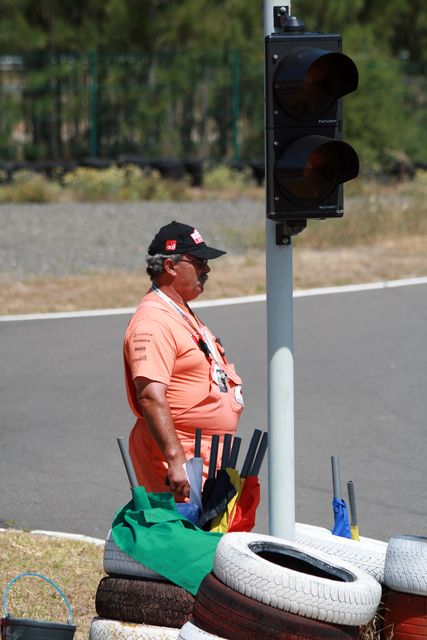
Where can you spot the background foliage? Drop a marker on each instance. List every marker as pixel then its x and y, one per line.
pixel 184 78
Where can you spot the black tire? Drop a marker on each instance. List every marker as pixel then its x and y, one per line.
pixel 144 602
pixel 227 613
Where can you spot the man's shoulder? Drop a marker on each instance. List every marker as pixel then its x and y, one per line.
pixel 154 312
pixel 152 306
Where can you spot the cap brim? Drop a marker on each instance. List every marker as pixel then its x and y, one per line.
pixel 208 253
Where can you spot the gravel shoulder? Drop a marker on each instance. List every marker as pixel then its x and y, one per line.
pixel 65 257
pixel 69 239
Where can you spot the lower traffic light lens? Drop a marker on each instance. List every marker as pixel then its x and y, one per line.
pixel 311 168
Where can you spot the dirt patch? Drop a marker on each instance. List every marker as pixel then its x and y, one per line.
pixel 231 276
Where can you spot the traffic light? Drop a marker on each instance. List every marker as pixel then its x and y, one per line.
pixel 307 160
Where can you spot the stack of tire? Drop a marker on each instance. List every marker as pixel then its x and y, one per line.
pixel 267 588
pixel 135 603
pixel 405 576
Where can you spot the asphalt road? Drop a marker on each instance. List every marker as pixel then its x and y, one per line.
pixel 360 393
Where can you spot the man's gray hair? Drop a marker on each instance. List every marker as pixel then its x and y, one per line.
pixel 155 266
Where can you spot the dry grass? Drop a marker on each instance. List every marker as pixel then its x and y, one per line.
pixel 76 567
pixel 231 276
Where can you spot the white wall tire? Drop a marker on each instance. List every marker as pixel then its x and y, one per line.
pixel 191 632
pixel 365 554
pixel 291 576
pixel 311 529
pixel 117 563
pixel 405 567
pixel 102 629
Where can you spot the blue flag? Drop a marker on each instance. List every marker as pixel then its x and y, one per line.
pixel 341 521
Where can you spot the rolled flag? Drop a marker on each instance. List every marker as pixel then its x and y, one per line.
pixel 242 516
pixel 341 521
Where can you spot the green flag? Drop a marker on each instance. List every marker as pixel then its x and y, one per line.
pixel 150 530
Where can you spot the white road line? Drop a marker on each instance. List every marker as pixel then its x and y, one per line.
pixel 57 534
pixel 299 293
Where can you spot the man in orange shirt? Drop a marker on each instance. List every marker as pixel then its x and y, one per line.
pixel 177 375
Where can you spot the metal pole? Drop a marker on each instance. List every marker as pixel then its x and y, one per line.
pixel 281 457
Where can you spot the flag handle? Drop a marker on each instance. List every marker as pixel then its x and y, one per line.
pixel 232 461
pixel 226 450
pixel 336 477
pixel 352 503
pixel 213 456
pixel 251 453
pixel 197 443
pixel 260 455
pixel 127 462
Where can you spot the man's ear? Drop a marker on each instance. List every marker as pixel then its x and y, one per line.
pixel 169 266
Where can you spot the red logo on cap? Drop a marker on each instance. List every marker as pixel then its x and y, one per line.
pixel 170 245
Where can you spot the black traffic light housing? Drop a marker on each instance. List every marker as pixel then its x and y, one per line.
pixel 307 160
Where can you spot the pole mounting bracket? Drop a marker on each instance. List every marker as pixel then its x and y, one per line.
pixel 288 228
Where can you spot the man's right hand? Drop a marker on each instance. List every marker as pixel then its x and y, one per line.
pixel 178 482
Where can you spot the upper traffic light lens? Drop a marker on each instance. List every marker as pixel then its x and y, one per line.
pixel 311 168
pixel 309 80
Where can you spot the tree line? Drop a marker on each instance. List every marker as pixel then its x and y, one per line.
pixel 185 77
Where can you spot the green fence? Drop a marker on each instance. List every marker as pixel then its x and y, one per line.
pixel 193 104
pixel 186 105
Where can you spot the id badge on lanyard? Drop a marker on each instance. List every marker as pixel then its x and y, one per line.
pixel 220 377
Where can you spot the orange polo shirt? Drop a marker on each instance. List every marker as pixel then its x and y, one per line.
pixel 162 346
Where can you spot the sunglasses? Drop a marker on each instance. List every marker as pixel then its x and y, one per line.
pixel 199 263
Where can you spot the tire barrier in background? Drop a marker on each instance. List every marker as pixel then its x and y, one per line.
pixel 405 567
pixel 258 171
pixel 96 163
pixel 101 629
pixel 221 610
pixel 292 577
pixel 169 168
pixel 6 170
pixel 405 616
pixel 144 602
pixel 127 159
pixel 118 563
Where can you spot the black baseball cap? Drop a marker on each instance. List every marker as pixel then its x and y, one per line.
pixel 179 238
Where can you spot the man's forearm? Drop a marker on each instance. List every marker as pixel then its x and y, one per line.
pixel 159 421
pixel 157 414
